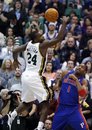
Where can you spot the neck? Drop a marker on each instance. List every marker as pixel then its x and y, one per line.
pixel 51 32
pixel 7 70
pixel 77 75
pixel 49 59
pixel 48 72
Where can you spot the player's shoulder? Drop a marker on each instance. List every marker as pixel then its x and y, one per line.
pixel 29 42
pixel 66 73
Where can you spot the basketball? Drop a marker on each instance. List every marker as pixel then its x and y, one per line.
pixel 51 15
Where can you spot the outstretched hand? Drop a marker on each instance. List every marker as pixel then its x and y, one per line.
pixel 65 19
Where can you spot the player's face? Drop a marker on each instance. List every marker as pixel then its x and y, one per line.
pixel 81 69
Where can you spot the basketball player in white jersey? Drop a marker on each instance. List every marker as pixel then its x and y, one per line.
pixel 33 84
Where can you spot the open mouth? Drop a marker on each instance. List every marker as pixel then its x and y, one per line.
pixel 77 69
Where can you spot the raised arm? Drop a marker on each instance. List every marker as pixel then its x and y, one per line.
pixel 60 36
pixel 15 54
pixel 82 88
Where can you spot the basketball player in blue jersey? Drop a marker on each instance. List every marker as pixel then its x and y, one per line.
pixel 33 84
pixel 68 112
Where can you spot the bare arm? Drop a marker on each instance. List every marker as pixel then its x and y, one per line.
pixel 15 54
pixel 33 7
pixel 81 88
pixel 33 110
pixel 59 38
pixel 20 48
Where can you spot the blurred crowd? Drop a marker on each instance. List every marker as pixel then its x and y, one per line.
pixel 17 19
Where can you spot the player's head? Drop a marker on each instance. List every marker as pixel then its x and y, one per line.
pixel 36 36
pixel 81 70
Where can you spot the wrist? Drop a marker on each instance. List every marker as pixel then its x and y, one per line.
pixel 76 80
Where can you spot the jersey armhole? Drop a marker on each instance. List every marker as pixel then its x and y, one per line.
pixel 40 51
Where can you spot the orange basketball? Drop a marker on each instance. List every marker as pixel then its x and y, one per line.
pixel 51 15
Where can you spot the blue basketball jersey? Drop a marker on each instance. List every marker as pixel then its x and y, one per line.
pixel 69 92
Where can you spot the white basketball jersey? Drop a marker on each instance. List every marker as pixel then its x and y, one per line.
pixel 34 59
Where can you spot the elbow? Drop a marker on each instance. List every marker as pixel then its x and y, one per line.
pixel 13 51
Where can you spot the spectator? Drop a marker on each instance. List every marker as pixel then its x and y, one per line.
pixel 52 32
pixel 87 21
pixel 2 47
pixel 15 82
pixel 72 8
pixel 38 7
pixel 69 47
pixel 56 83
pixel 7 71
pixel 48 124
pixel 87 8
pixel 89 70
pixel 18 18
pixel 68 35
pixel 27 120
pixel 10 101
pixel 70 65
pixel 37 22
pixel 55 60
pixel 86 37
pixel 75 28
pixel 5 101
pixel 10 32
pixel 72 57
pixel 86 52
pixel 4 19
pixel 10 42
pixel 48 73
pixel 2 39
pixel 87 58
